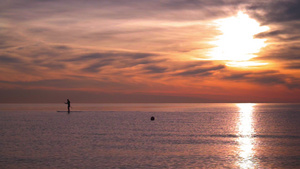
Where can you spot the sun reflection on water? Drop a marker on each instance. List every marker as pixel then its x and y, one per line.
pixel 246 141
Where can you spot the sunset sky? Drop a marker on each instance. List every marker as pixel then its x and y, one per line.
pixel 149 51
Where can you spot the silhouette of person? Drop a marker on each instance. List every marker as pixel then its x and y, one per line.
pixel 69 105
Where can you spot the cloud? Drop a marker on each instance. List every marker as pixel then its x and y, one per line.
pixel 283 37
pixel 153 26
pixel 111 54
pixel 9 37
pixel 284 34
pixel 292 65
pixel 95 67
pixel 89 56
pixel 155 69
pixel 273 33
pixel 282 11
pixel 137 45
pixel 9 59
pixel 118 9
pixel 54 65
pixel 115 59
pixel 282 52
pixel 265 78
pixel 202 71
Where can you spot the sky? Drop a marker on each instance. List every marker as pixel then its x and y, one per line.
pixel 99 51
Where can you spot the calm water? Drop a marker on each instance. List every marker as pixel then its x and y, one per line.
pixel 122 136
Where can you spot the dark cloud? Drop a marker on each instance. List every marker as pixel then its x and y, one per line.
pixel 90 56
pixel 169 9
pixel 202 71
pixel 286 35
pixel 140 55
pixel 115 59
pixel 5 42
pixel 293 65
pixel 54 66
pixel 39 30
pixel 193 64
pixel 199 4
pixel 119 9
pixel 268 79
pixel 237 76
pixel 276 11
pixel 95 67
pixel 289 52
pixel 282 16
pixel 9 59
pixel 62 47
pixel 155 69
pixel 10 38
pixel 112 55
pixel 33 59
pixel 265 78
pixel 270 34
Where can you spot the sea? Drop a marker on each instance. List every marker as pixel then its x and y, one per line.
pixel 193 135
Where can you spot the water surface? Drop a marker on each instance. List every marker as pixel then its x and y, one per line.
pixel 123 136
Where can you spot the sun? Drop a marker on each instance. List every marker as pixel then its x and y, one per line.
pixel 237 45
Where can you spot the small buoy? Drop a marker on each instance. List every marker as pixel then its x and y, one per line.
pixel 152 118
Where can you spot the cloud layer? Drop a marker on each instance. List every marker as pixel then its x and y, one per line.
pixel 144 48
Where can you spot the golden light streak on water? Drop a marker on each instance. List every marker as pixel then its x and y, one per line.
pixel 246 141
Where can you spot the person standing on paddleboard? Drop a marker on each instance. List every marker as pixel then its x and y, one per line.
pixel 69 105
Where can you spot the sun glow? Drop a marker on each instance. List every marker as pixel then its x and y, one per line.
pixel 237 44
